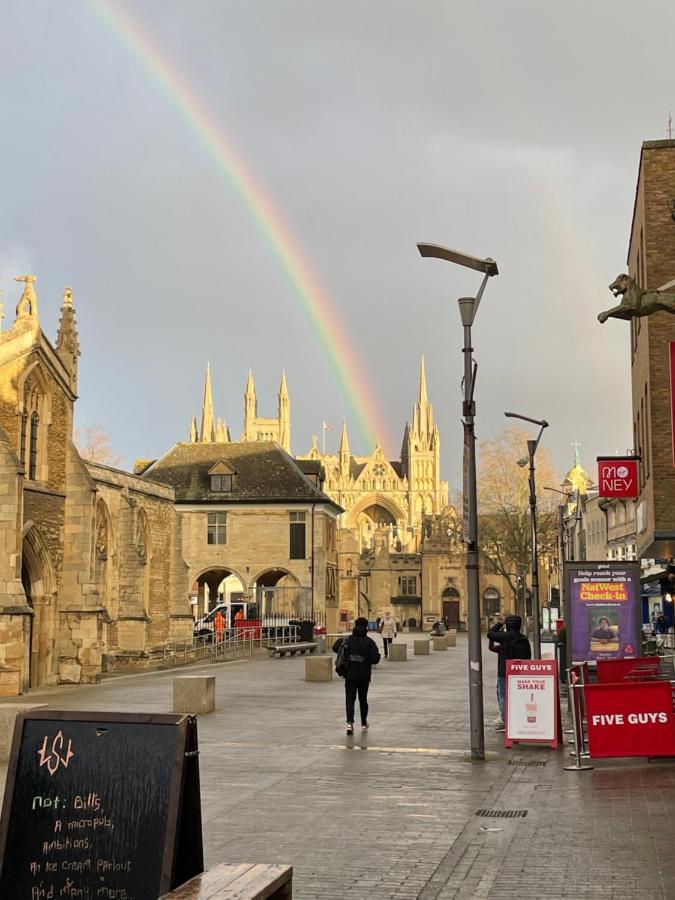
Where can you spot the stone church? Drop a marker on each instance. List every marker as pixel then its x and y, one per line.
pixel 90 562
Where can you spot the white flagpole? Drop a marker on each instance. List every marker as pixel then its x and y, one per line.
pixel 323 442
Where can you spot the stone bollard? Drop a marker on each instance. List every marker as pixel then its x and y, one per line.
pixel 320 640
pixel 398 652
pixel 439 642
pixel 421 648
pixel 8 714
pixel 451 639
pixel 194 694
pixel 318 668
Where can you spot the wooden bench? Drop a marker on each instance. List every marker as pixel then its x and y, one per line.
pixel 291 649
pixel 248 881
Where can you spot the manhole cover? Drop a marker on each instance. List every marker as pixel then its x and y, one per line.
pixel 528 762
pixel 502 813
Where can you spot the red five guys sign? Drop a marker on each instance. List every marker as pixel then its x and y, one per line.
pixel 617 476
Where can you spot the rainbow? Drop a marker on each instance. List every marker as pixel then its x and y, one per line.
pixel 311 297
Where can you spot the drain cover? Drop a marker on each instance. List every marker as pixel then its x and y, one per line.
pixel 502 813
pixel 528 762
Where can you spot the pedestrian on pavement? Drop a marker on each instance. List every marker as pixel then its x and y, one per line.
pixel 512 645
pixel 388 631
pixel 439 628
pixel 661 630
pixel 362 655
pixel 219 625
pixel 494 648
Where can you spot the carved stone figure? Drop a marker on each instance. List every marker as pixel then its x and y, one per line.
pixel 636 301
pixel 27 305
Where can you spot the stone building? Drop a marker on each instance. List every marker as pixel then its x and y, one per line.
pixel 651 263
pixel 256 530
pixel 81 579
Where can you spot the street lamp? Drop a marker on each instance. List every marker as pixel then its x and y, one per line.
pixel 531 450
pixel 561 544
pixel 468 307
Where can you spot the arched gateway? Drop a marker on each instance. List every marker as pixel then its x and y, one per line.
pixel 39 584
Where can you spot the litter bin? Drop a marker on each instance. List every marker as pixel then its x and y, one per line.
pixel 561 657
pixel 305 629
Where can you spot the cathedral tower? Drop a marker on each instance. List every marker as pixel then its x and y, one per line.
pixel 259 429
pixel 208 431
pixel 421 455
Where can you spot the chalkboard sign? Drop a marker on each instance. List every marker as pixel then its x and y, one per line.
pixel 100 806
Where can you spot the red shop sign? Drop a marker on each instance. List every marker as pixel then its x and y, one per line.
pixel 617 476
pixel 630 719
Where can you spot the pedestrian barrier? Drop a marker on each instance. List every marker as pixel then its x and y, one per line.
pixel 398 652
pixel 629 712
pixel 421 648
pixel 194 694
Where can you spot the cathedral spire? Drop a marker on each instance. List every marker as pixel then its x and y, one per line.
pixel 193 430
pixel 207 434
pixel 423 399
pixel 284 411
pixel 222 432
pixel 67 341
pixel 344 451
pixel 250 409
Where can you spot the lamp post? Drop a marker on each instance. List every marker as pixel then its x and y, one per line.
pixel 531 450
pixel 468 307
pixel 561 545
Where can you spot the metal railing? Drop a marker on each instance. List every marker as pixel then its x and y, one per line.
pixel 235 643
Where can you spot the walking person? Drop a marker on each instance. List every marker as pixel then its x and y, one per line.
pixel 361 655
pixel 219 625
pixel 388 631
pixel 511 644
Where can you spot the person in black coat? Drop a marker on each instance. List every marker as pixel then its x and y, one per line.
pixel 362 656
pixel 511 644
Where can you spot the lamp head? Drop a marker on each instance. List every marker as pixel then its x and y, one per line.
pixel 487 266
pixel 523 462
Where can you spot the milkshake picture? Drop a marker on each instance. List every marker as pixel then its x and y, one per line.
pixel 531 710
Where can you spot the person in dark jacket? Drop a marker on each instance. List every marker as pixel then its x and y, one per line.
pixel 362 656
pixel 511 644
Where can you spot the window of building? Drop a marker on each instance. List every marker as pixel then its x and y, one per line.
pixel 32 463
pixel 24 429
pixel 221 484
pixel 216 529
pixel 408 585
pixel 297 535
pixel 330 534
pixel 491 603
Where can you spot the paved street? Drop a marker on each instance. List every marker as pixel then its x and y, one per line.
pixel 393 815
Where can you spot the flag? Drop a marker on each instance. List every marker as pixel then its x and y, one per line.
pixel 327 427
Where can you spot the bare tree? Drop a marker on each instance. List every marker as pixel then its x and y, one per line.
pixel 503 496
pixel 93 444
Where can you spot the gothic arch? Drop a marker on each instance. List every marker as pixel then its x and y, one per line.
pixel 228 570
pixel 376 499
pixel 39 582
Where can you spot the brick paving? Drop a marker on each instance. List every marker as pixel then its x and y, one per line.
pixel 393 814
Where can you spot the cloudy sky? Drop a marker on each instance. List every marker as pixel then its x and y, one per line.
pixel 510 130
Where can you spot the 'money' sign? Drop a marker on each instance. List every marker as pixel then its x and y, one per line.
pixel 617 476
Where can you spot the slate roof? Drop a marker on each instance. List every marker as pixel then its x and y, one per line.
pixel 265 474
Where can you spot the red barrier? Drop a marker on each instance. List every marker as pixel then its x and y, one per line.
pixel 615 671
pixel 631 719
pixel 250 626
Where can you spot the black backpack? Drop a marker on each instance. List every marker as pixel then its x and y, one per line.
pixel 342 659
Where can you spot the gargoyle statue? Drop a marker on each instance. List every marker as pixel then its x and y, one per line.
pixel 635 301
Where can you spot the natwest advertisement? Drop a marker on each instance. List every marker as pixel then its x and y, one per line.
pixel 532 709
pixel 630 719
pixel 603 610
pixel 617 476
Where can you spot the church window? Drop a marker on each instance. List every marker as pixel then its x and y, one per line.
pixel 378 470
pixel 32 464
pixel 408 585
pixel 221 484
pixel 297 535
pixel 216 529
pixel 24 428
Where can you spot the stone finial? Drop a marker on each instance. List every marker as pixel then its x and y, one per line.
pixel 68 296
pixel 27 305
